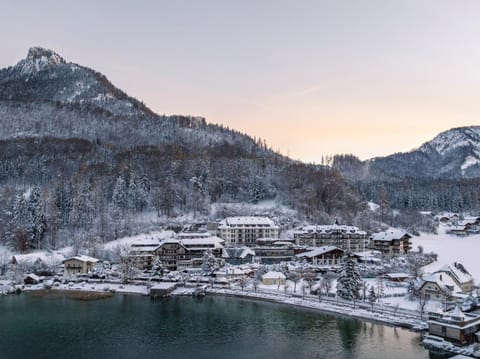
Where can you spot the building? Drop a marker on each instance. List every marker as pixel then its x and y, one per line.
pixel 270 252
pixel 347 238
pixel 457 272
pixel 456 327
pixel 391 243
pixel 239 255
pixel 440 287
pixel 274 278
pixel 80 264
pixel 170 252
pixel 195 248
pixel 327 255
pixel 244 231
pixel 144 252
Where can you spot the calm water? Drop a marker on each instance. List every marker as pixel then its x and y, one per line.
pixel 211 327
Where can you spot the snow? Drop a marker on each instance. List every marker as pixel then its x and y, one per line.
pixel 317 251
pixel 469 161
pixel 274 275
pixel 83 258
pixel 373 206
pixel 388 235
pixel 451 249
pixel 141 238
pixel 246 221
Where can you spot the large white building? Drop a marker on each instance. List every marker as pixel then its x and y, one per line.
pixel 347 238
pixel 244 231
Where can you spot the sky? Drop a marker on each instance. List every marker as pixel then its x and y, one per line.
pixel 312 78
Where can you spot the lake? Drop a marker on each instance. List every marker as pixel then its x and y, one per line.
pixel 129 326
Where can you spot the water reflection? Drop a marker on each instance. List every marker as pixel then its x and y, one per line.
pixel 212 327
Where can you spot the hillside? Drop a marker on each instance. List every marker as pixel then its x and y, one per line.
pixel 80 158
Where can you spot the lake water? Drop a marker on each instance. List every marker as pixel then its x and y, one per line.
pixel 183 327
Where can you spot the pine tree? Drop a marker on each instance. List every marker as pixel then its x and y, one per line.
pixel 209 263
pixel 349 281
pixel 119 197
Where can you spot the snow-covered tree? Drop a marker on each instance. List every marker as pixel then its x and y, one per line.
pixel 209 263
pixel 372 296
pixel 120 196
pixel 349 281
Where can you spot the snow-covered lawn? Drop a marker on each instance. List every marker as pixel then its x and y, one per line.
pixel 450 249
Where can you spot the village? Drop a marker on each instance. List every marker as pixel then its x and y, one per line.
pixel 251 257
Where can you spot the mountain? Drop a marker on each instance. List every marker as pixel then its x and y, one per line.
pixel 442 174
pixel 453 154
pixel 79 158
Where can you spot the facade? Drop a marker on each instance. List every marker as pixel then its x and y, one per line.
pixel 391 243
pixel 195 248
pixel 456 327
pixel 327 255
pixel 80 264
pixel 347 238
pixel 176 254
pixel 276 252
pixel 244 231
pixel 144 253
pixel 440 287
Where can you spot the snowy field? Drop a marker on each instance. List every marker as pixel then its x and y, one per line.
pixel 450 249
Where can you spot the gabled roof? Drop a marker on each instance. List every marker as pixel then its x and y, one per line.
pixel 247 221
pixel 457 272
pixel 318 251
pixel 274 275
pixel 390 235
pixel 83 258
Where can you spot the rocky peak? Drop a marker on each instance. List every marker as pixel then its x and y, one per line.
pixel 39 59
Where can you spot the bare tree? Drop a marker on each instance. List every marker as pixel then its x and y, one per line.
pixel 294 277
pixel 128 264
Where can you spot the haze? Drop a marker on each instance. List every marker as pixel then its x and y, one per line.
pixel 311 77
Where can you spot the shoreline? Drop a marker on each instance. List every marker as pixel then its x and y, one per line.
pixel 400 321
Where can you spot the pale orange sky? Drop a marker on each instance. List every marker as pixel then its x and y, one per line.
pixel 312 77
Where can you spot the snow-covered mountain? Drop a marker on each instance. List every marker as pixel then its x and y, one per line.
pixel 45 76
pixel 97 157
pixel 452 154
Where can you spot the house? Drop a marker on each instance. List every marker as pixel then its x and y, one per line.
pixel 459 230
pixel 31 279
pixel 393 242
pixel 440 287
pixel 327 255
pixel 460 276
pixel 163 289
pixel 240 255
pixel 456 327
pixel 347 238
pixel 274 278
pixel 244 231
pixel 80 264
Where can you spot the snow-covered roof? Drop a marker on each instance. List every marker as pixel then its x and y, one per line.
pixel 246 221
pixel 45 257
pixel 145 248
pixel 274 275
pixel 329 228
pixel 183 235
pixel 83 258
pixel 33 276
pixel 318 251
pixel 389 235
pixel 202 242
pixel 457 271
pixel 397 275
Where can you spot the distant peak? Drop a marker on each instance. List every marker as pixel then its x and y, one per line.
pixel 39 59
pixel 37 52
